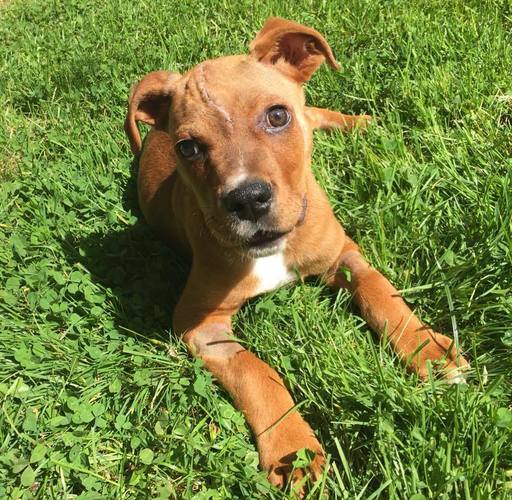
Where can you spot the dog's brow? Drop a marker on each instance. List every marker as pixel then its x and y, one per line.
pixel 207 97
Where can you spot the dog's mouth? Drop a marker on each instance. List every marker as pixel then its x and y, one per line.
pixel 262 238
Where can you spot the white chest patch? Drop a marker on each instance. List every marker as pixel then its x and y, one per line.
pixel 271 272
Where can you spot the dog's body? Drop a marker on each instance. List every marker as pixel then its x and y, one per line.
pixel 224 176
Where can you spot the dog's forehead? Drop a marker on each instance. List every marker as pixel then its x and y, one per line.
pixel 230 85
pixel 241 71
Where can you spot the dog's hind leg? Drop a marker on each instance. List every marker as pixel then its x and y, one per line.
pixel 326 119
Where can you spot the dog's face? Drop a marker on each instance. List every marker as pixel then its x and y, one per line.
pixel 242 145
pixel 241 136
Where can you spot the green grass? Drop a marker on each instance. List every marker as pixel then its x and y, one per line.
pixel 99 400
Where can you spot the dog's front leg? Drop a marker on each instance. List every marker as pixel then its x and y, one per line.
pixel 257 391
pixel 386 312
pixel 326 119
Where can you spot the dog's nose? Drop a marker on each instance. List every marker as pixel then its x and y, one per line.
pixel 249 201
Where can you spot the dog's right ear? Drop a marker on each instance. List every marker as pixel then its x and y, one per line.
pixel 149 102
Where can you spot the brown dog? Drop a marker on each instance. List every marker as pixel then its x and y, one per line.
pixel 225 175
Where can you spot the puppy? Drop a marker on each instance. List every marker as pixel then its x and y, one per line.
pixel 225 176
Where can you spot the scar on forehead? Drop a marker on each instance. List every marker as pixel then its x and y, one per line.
pixel 207 97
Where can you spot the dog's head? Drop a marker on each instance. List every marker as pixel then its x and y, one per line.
pixel 241 134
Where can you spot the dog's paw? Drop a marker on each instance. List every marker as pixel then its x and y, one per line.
pixel 441 352
pixel 364 121
pixel 283 472
pixel 278 456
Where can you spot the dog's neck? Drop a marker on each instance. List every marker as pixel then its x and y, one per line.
pixel 271 272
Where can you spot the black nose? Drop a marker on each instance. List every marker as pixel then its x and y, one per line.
pixel 250 201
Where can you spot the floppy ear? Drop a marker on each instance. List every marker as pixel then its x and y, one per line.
pixel 149 103
pixel 303 48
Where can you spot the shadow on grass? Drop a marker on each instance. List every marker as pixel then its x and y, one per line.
pixel 143 274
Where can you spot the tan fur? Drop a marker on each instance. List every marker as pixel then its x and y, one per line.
pixel 221 103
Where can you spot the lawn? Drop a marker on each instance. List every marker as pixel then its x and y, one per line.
pixel 99 399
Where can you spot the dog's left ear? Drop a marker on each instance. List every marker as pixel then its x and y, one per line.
pixel 303 49
pixel 149 102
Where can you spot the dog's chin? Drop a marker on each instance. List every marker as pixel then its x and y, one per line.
pixel 264 243
pixel 261 243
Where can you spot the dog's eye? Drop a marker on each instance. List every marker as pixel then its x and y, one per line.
pixel 278 117
pixel 189 149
